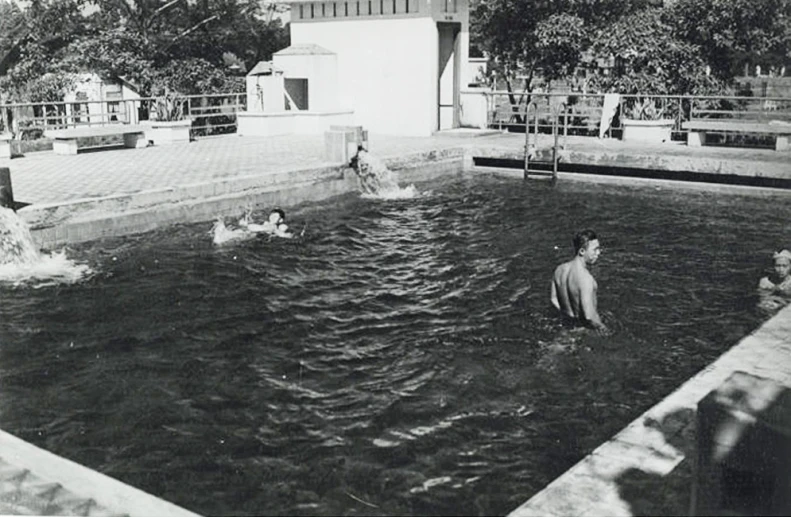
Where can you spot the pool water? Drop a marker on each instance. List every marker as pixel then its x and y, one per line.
pixel 399 359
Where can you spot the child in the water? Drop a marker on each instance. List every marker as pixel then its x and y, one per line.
pixel 274 225
pixel 775 288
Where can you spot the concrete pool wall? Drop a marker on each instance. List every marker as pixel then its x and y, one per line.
pixel 82 220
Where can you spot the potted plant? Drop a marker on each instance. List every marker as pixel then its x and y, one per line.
pixel 643 122
pixel 168 123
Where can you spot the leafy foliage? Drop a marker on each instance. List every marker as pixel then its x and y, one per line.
pixel 649 59
pixel 155 44
pixel 733 33
pixel 658 47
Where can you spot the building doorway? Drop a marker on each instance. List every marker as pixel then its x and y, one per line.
pixel 448 75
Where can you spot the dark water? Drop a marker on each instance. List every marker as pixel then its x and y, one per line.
pixel 399 360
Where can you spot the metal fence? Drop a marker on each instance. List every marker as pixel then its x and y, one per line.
pixel 211 114
pixel 581 113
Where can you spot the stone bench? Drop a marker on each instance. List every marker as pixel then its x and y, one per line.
pixel 65 141
pixel 698 129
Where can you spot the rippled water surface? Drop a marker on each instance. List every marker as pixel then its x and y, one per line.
pixel 400 359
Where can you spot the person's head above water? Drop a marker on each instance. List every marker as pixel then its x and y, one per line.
pixel 586 245
pixel 782 260
pixel 277 216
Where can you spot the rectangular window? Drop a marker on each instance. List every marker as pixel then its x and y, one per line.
pixel 406 6
pixel 312 13
pixel 323 13
pixel 381 6
pixel 370 10
pixel 346 8
pixel 394 7
pixel 334 10
pixel 302 11
pixel 358 7
pixel 449 6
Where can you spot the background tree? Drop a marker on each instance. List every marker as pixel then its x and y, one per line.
pixel 649 58
pixel 733 34
pixel 523 37
pixel 156 44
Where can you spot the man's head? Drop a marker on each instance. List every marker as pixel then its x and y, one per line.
pixel 782 261
pixel 277 216
pixel 586 245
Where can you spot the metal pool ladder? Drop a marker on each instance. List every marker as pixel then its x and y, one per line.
pixel 556 113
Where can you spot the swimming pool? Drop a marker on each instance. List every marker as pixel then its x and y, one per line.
pixel 398 360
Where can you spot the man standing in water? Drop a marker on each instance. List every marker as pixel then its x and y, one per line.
pixel 573 286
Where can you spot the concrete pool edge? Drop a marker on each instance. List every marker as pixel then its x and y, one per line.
pixel 660 443
pixel 61 483
pixel 59 224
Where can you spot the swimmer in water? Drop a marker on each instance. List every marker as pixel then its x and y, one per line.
pixel 775 289
pixel 274 225
pixel 573 289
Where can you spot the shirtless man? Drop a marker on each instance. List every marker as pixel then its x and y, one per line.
pixel 573 286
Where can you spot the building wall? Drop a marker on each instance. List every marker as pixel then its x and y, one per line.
pixel 388 60
pixel 321 71
pixel 388 79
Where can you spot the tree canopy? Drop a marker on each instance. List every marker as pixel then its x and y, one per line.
pixel 184 45
pixel 685 46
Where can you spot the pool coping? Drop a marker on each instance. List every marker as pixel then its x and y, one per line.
pixel 40 478
pixel 660 443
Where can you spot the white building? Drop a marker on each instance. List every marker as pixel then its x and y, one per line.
pixel 399 62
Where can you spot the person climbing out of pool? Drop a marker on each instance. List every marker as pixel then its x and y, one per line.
pixel 775 288
pixel 274 225
pixel 573 290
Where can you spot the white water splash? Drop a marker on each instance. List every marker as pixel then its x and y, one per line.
pixel 221 234
pixel 21 262
pixel 376 180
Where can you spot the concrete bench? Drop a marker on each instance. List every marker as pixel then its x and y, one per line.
pixel 65 140
pixel 698 129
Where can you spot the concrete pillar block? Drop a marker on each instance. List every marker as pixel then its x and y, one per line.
pixel 743 462
pixel 5 146
pixel 135 140
pixel 6 190
pixel 65 146
pixel 340 145
pixel 695 139
pixel 781 144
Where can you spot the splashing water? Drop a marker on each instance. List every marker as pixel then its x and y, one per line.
pixel 20 260
pixel 376 180
pixel 221 234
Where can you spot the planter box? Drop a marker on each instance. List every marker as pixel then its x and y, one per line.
pixel 649 131
pixel 168 132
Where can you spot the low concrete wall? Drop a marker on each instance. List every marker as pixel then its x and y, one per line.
pixel 90 219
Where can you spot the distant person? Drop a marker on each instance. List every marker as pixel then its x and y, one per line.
pixel 574 289
pixel 274 225
pixel 775 288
